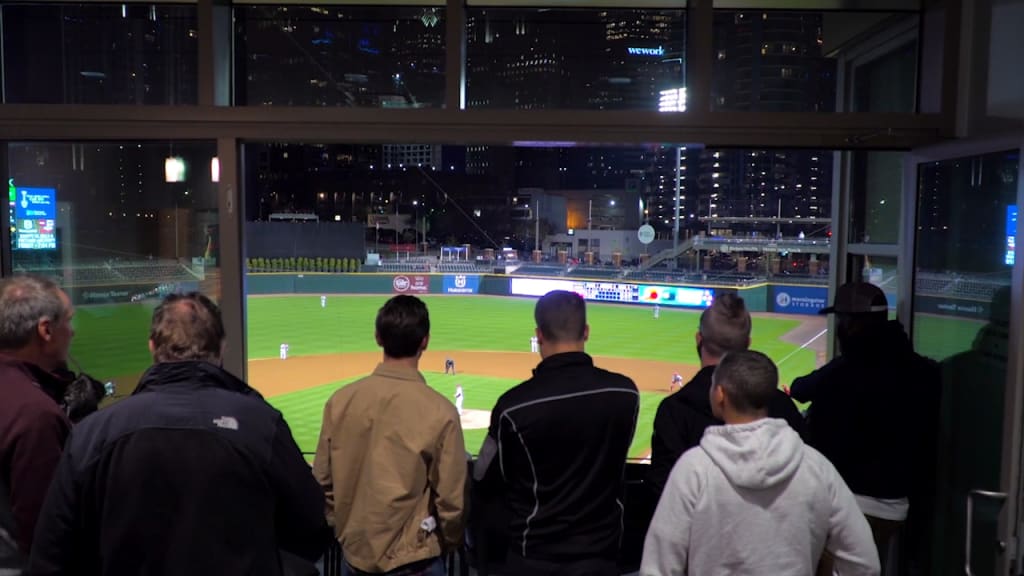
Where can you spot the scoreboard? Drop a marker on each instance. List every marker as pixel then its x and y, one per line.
pixel 607 291
pixel 621 292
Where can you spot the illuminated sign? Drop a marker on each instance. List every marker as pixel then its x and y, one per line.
pixel 617 292
pixel 1011 234
pixel 673 100
pixel 35 203
pixel 633 51
pixel 33 217
pixel 677 296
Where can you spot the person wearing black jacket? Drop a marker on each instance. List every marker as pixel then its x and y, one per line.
pixel 193 474
pixel 681 418
pixel 556 450
pixel 874 411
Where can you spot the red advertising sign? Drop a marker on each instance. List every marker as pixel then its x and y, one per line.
pixel 411 284
pixel 401 247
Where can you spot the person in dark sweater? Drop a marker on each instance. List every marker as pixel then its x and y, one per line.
pixel 874 410
pixel 555 453
pixel 35 333
pixel 682 417
pixel 193 474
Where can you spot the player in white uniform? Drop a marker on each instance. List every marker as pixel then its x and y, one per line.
pixel 458 398
pixel 677 382
pixel 657 311
pixel 284 351
pixel 323 301
pixel 534 345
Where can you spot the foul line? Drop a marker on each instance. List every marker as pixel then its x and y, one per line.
pixel 805 345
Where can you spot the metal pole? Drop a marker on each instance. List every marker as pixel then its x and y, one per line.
pixel 590 222
pixel 536 231
pixel 679 177
pixel 778 221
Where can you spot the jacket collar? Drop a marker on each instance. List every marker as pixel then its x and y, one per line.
pixel 564 360
pixel 398 372
pixel 52 384
pixel 191 374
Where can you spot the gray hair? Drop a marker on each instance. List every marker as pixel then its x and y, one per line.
pixel 24 301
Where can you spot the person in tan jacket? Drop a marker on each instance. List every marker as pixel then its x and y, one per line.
pixel 391 458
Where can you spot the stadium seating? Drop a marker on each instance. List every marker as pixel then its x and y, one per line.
pixel 112 272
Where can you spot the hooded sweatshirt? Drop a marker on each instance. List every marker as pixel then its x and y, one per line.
pixel 754 499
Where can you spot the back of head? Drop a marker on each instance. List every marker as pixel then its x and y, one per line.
pixel 24 301
pixel 187 327
pixel 561 316
pixel 725 325
pixel 749 380
pixel 402 325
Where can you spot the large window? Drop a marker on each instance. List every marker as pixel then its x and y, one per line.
pixel 449 222
pixel 533 59
pixel 387 57
pixel 100 54
pixel 118 225
pixel 795 61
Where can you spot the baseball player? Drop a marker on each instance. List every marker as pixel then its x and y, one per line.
pixel 677 382
pixel 657 311
pixel 449 364
pixel 534 345
pixel 284 351
pixel 323 301
pixel 458 398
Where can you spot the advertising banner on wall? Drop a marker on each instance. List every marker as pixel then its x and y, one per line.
pixel 799 299
pixel 461 284
pixel 410 284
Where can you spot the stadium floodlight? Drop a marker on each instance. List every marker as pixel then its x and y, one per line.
pixel 672 100
pixel 174 169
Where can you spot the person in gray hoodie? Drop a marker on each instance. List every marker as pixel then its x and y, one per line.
pixel 752 498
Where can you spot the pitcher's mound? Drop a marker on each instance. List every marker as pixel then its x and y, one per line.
pixel 475 419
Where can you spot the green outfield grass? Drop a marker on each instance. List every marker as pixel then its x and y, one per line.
pixel 486 323
pixel 111 342
pixel 304 409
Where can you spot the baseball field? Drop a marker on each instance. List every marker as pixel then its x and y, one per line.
pixel 488 337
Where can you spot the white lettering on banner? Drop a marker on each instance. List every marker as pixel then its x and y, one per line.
pixel 460 281
pixel 785 300
pixel 401 283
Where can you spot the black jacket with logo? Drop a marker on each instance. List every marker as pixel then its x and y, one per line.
pixel 193 474
pixel 556 454
pixel 682 418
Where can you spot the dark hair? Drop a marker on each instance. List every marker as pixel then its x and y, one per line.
pixel 187 327
pixel 561 316
pixel 24 301
pixel 402 324
pixel 725 325
pixel 748 378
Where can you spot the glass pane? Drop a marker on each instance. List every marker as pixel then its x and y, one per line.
pixel 356 223
pixel 882 271
pixel 876 187
pixel 966 231
pixel 377 57
pixel 786 61
pixel 586 59
pixel 118 225
pixel 100 54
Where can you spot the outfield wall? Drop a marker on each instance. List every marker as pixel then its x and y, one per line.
pixel 759 298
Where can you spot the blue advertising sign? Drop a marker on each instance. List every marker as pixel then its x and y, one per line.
pixel 677 296
pixel 799 299
pixel 35 204
pixel 1011 234
pixel 461 284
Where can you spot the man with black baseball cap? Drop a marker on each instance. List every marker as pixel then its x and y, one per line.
pixel 872 409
